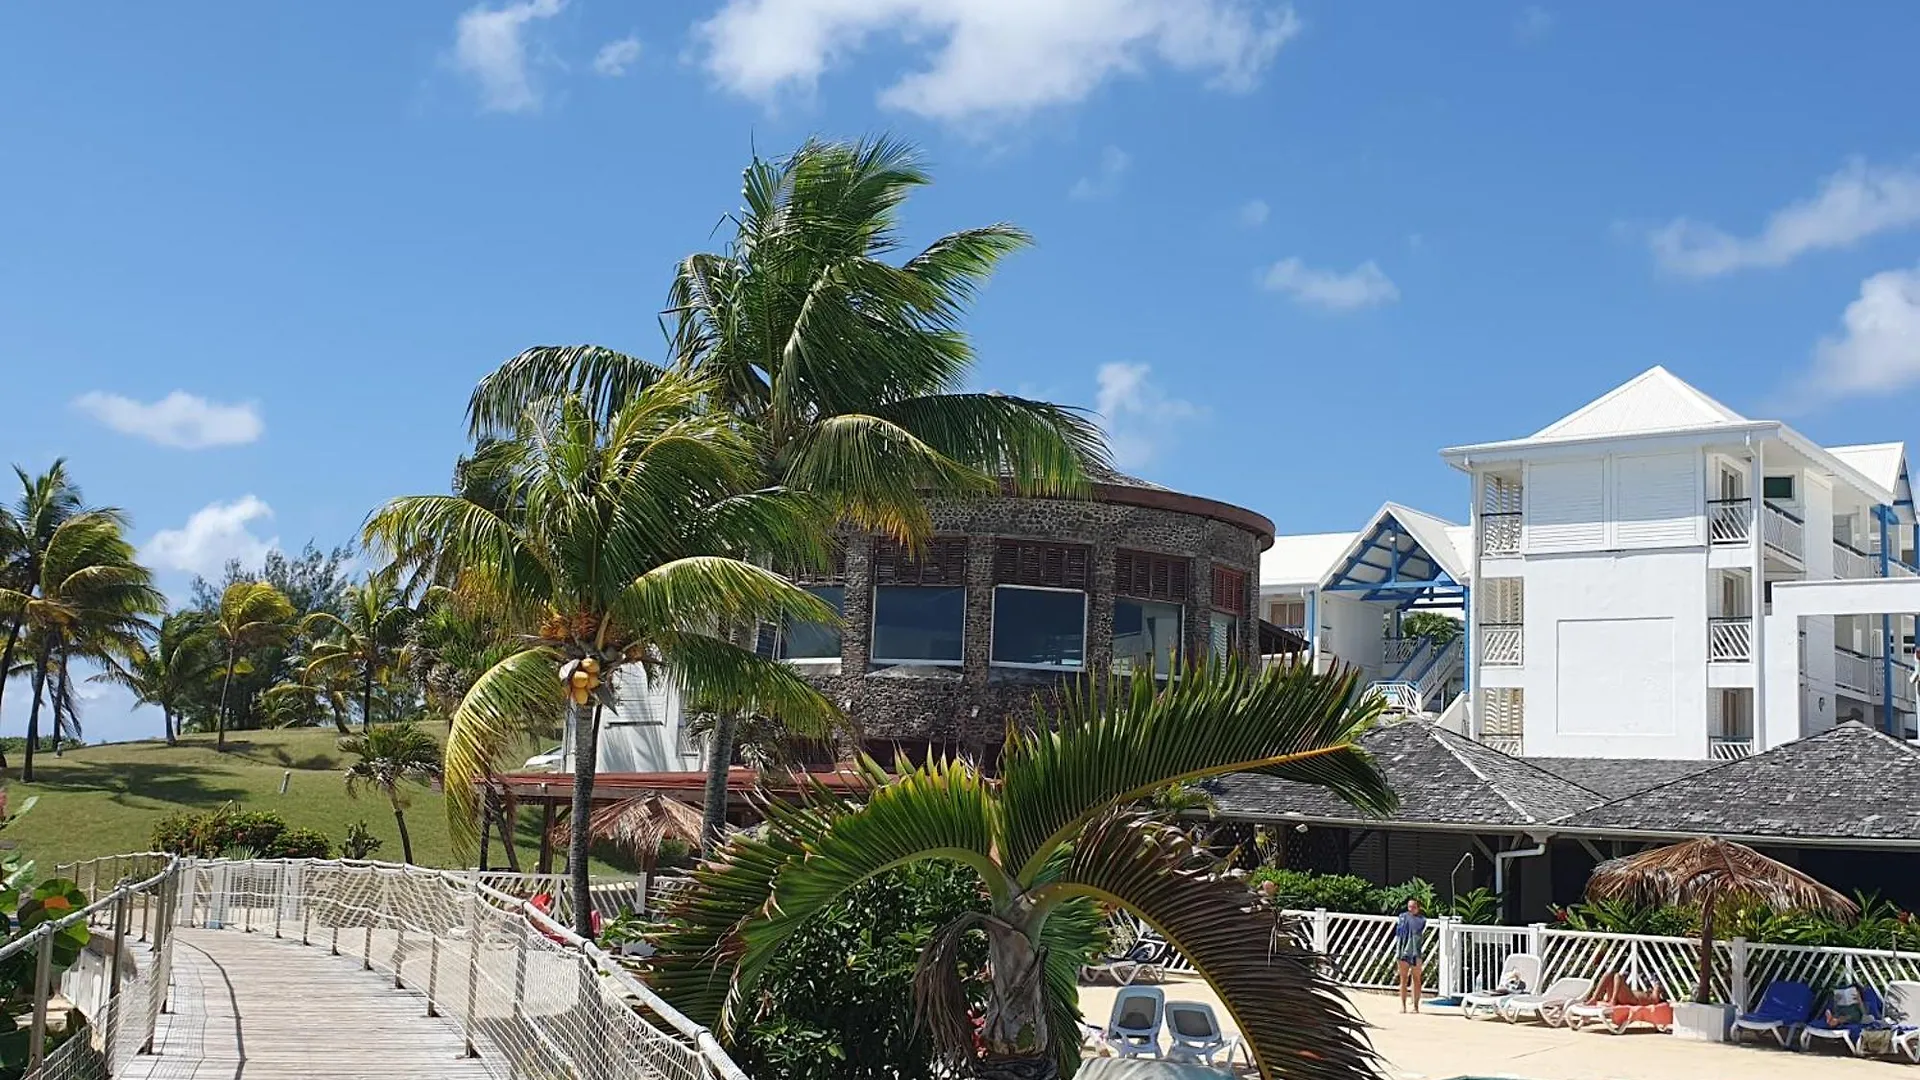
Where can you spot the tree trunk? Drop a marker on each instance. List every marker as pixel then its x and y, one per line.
pixel 6 664
pixel 339 719
pixel 586 754
pixel 366 699
pixel 33 716
pixel 406 841
pixel 166 721
pixel 1704 992
pixel 713 818
pixel 1014 1029
pixel 220 717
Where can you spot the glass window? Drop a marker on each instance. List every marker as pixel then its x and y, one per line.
pixel 816 641
pixel 1039 627
pixel 1777 487
pixel 1145 632
pixel 918 624
pixel 1223 635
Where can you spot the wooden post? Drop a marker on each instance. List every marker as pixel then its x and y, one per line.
pixel 486 825
pixel 42 988
pixel 473 963
pixel 433 971
pixel 546 833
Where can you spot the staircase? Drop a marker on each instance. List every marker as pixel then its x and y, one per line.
pixel 1417 686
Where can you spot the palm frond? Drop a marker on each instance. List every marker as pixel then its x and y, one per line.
pixel 718 675
pixel 518 694
pixel 1042 448
pixel 605 379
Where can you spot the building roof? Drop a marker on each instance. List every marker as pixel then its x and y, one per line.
pixel 1441 779
pixel 1848 784
pixel 1654 400
pixel 1617 778
pixel 1883 463
pixel 1303 560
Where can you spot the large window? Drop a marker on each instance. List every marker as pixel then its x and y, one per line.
pixel 918 624
pixel 1035 627
pixel 816 641
pixel 1146 637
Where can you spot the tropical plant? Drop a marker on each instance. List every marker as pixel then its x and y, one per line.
pixel 1711 874
pixel 393 756
pixel 46 502
pixel 615 555
pixel 23 911
pixel 1441 628
pixel 369 640
pixel 207 834
pixel 1057 835
pixel 1303 890
pixel 847 367
pixel 1393 898
pixel 251 614
pixel 1622 917
pixel 88 599
pixel 359 842
pixel 174 668
pixel 1479 906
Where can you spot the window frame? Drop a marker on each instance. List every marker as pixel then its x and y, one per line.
pixel 780 630
pixel 873 627
pixel 993 627
pixel 1793 488
pixel 1179 639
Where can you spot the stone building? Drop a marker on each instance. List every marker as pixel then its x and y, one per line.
pixel 1015 597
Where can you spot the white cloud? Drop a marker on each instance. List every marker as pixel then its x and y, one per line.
pixel 1364 286
pixel 616 58
pixel 1878 348
pixel 180 419
pixel 1138 415
pixel 490 45
pixel 992 58
pixel 215 533
pixel 1105 180
pixel 1254 213
pixel 1851 205
pixel 1533 24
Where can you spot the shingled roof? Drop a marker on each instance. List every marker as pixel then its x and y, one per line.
pixel 1617 778
pixel 1848 783
pixel 1441 778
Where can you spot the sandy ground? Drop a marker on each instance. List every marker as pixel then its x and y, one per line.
pixel 1439 1045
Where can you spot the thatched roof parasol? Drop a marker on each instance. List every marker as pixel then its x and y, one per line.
pixel 639 825
pixel 1706 873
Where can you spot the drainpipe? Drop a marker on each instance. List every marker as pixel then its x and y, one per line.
pixel 1500 859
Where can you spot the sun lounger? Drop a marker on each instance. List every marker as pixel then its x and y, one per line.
pixel 1197 1037
pixel 1901 1011
pixel 1781 1012
pixel 1847 1034
pixel 1521 969
pixel 1616 1006
pixel 1133 1027
pixel 1549 1006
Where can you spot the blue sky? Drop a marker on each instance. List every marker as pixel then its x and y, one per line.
pixel 252 258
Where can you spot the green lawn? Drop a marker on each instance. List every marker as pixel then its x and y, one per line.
pixel 104 800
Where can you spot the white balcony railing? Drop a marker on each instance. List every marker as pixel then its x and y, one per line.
pixel 1500 644
pixel 1850 563
pixel 1853 671
pixel 1784 533
pixel 1729 639
pixel 1723 748
pixel 1506 744
pixel 1500 533
pixel 1730 521
pixel 1396 651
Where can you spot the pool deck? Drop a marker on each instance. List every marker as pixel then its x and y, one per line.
pixel 1439 1045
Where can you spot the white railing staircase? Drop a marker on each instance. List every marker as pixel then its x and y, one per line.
pixel 1421 680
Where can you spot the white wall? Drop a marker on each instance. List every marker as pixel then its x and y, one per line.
pixel 1616 654
pixel 642 732
pixel 1351 629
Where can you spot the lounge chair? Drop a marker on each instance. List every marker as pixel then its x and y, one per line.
pixel 1617 1006
pixel 1848 1035
pixel 1133 1027
pixel 1197 1037
pixel 1548 1006
pixel 1522 969
pixel 1782 1009
pixel 1901 1011
pixel 1136 963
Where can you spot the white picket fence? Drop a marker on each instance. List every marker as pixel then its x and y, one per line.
pixel 1460 957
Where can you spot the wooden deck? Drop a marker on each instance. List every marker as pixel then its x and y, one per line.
pixel 251 1007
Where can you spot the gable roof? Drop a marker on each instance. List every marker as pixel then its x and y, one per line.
pixel 1441 779
pixel 1883 463
pixel 1617 778
pixel 1303 560
pixel 1849 783
pixel 1654 400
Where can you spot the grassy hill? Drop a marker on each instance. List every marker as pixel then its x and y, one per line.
pixel 103 800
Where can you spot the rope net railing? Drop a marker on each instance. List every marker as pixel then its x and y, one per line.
pixel 530 997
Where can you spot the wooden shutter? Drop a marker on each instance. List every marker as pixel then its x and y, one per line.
pixel 943 562
pixel 1229 590
pixel 1027 562
pixel 1147 576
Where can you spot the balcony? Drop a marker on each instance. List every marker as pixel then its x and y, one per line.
pixel 1500 645
pixel 1730 521
pixel 1500 533
pixel 1850 563
pixel 1728 748
pixel 1853 672
pixel 1730 639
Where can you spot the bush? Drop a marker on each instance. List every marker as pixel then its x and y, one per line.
pixel 1302 890
pixel 360 841
pixel 211 833
pixel 1393 899
pixel 838 1002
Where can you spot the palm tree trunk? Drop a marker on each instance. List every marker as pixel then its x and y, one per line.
pixel 339 718
pixel 366 700
pixel 1015 1024
pixel 33 716
pixel 6 664
pixel 220 718
pixel 406 841
pixel 1704 992
pixel 586 755
pixel 166 720
pixel 713 817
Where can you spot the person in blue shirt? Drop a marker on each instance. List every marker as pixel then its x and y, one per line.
pixel 1406 946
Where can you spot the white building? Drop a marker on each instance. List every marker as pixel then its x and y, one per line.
pixel 1610 574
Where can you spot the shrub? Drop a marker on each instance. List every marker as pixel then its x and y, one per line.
pixel 1303 890
pixel 360 841
pixel 1478 906
pixel 212 833
pixel 1393 899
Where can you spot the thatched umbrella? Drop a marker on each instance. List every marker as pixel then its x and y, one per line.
pixel 639 825
pixel 1709 872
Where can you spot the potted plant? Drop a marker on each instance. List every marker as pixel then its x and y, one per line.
pixel 1711 874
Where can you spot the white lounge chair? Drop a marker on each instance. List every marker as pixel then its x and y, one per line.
pixel 1197 1037
pixel 1901 1010
pixel 1524 967
pixel 1548 1006
pixel 1133 1027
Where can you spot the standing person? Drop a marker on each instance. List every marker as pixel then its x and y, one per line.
pixel 1406 939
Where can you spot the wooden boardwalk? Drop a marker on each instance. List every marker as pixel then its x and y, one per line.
pixel 253 1007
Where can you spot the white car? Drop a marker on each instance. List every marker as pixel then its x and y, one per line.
pixel 547 762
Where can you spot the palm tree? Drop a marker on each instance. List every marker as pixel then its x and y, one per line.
pixel 391 757
pixel 89 596
pixel 26 528
pixel 252 614
pixel 847 367
pixel 1061 831
pixel 170 672
pixel 369 641
pixel 1711 873
pixel 614 554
